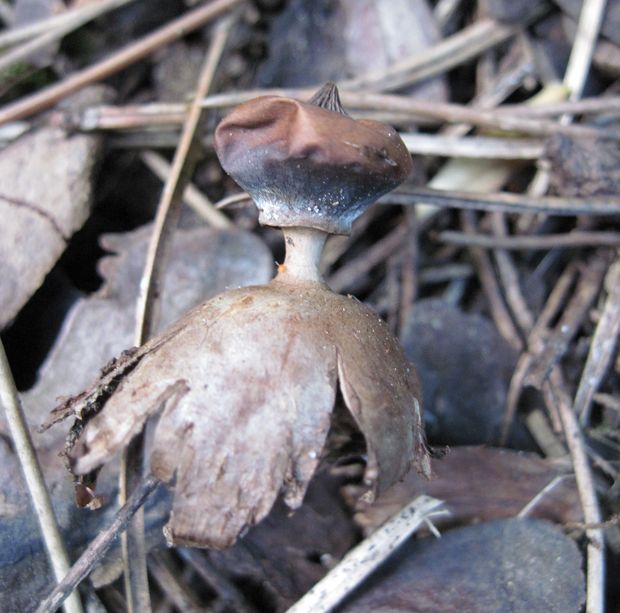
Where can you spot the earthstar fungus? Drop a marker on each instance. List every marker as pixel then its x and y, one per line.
pixel 244 385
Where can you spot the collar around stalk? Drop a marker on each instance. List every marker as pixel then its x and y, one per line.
pixel 310 164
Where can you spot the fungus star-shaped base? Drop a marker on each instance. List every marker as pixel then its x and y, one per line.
pixel 245 386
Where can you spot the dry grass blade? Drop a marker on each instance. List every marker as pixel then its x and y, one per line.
pixel 368 555
pixel 134 550
pixel 34 478
pixel 98 547
pixel 45 98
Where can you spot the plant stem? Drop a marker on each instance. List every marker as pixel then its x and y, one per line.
pixel 304 247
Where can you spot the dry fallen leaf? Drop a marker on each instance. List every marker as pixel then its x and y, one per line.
pixel 45 194
pixel 481 484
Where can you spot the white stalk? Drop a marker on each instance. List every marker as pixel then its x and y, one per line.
pixel 304 247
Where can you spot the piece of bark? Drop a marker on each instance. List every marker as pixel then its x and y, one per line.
pixel 323 40
pixel 45 196
pixel 202 263
pixel 584 166
pixel 480 484
pixel 465 367
pixel 507 565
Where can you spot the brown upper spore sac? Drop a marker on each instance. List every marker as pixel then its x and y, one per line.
pixel 310 164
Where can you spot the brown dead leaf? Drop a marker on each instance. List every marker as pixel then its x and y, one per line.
pixel 481 484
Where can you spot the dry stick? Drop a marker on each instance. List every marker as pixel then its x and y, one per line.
pixel 346 276
pixel 134 554
pixel 585 106
pixel 534 341
pixel 577 71
pixel 34 477
pixel 509 277
pixel 98 547
pixel 545 241
pixel 51 35
pixel 117 61
pixel 595 592
pixel 368 555
pixel 117 118
pixel 491 288
pixel 556 344
pixel 602 346
pixel 439 111
pixel 507 202
pixel 192 196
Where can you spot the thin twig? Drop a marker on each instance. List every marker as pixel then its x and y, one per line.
pixel 192 196
pixel 595 592
pixel 34 478
pixel 499 312
pixel 134 554
pixel 602 346
pixel 586 106
pixel 507 202
pixel 48 36
pixel 524 120
pixel 98 547
pixel 346 276
pixel 368 555
pixel 569 240
pixel 439 111
pixel 177 28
